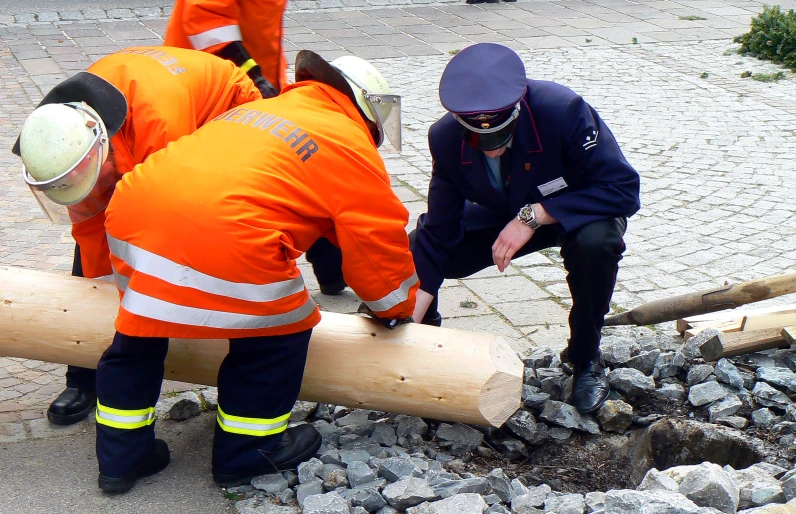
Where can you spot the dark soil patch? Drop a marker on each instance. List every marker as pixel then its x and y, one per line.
pixel 580 464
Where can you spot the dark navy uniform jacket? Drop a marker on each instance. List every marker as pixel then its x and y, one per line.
pixel 562 156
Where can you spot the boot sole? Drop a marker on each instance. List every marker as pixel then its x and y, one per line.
pixel 69 419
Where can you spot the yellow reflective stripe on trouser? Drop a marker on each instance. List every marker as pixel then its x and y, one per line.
pixel 251 426
pixel 125 419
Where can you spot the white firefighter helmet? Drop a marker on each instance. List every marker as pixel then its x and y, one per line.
pixel 63 147
pixel 374 97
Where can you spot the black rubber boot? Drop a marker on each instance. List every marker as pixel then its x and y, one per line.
pixel 72 406
pixel 155 462
pixel 589 387
pixel 298 444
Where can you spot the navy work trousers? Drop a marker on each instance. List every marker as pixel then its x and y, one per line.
pixel 591 256
pixel 259 378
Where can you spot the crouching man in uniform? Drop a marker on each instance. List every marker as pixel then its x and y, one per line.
pixel 520 165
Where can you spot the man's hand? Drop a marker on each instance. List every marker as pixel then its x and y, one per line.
pixel 262 83
pixel 513 237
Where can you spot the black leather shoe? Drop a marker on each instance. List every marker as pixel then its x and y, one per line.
pixel 155 462
pixel 589 387
pixel 474 1
pixel 333 288
pixel 432 318
pixel 298 444
pixel 71 406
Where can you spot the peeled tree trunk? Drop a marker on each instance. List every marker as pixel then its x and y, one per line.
pixel 445 374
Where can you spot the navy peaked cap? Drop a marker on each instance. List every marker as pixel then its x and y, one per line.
pixel 484 79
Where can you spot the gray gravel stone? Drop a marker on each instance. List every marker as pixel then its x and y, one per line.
pixel 524 425
pixel 349 456
pixel 329 503
pixel 396 468
pixel 539 357
pixel 466 503
pixel 535 497
pixel 302 411
pixel 788 483
pixel 565 504
pixel 618 351
pixel 727 372
pixel 408 492
pixel 272 484
pixel 560 433
pixel 497 509
pixel 644 361
pixel 534 398
pixel 309 470
pixel 595 501
pixel 723 408
pixel 360 473
pixel 366 496
pixel 708 485
pixel 654 480
pixel 257 505
pixel 566 416
pixel 767 396
pixel 668 364
pixel 702 394
pixel 628 501
pixel 383 434
pixel 409 425
pixel 449 488
pixel 458 438
pixel 631 382
pixel 733 421
pixel 500 484
pixel 779 377
pixel 615 416
pixel 672 391
pixel 698 373
pixel 691 347
pixel 307 489
pixel 183 406
pixel 757 488
pixel 334 476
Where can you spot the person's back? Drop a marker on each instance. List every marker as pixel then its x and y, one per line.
pixel 305 168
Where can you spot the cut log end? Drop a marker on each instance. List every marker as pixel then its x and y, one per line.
pixel 501 395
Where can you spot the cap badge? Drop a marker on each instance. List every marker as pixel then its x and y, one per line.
pixel 485 125
pixel 483 117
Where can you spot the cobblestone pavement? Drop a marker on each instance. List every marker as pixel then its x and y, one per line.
pixel 715 151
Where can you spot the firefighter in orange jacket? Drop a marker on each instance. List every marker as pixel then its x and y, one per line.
pixel 246 32
pixel 203 244
pixel 144 97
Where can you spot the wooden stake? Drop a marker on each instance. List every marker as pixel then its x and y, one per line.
pixel 440 373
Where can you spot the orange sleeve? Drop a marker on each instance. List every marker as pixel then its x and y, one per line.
pixel 210 24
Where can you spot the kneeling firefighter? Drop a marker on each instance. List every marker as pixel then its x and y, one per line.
pixel 91 129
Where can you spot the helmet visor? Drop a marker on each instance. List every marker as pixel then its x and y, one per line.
pixel 389 124
pixel 70 196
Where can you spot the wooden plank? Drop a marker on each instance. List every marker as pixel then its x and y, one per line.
pixel 684 324
pixel 740 343
pixel 776 320
pixel 729 326
pixel 789 333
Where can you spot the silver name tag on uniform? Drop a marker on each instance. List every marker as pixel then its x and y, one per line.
pixel 552 186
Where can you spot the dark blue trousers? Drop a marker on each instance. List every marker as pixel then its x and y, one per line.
pixel 591 257
pixel 259 378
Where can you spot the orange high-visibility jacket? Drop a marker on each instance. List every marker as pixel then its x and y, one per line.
pixel 170 92
pixel 210 24
pixel 204 234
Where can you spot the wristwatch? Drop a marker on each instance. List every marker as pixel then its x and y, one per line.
pixel 528 217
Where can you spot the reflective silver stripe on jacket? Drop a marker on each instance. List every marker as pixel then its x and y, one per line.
pixel 180 275
pixel 216 36
pixel 395 297
pixel 161 310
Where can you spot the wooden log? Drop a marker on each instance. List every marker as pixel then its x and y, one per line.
pixel 445 374
pixel 711 300
pixel 731 344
